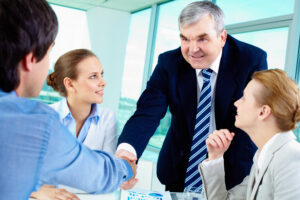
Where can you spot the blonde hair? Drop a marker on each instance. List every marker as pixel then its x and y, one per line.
pixel 64 67
pixel 282 94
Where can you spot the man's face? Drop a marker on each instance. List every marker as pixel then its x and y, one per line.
pixel 200 43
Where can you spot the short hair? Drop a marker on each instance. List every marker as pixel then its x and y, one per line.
pixel 26 26
pixel 196 10
pixel 66 66
pixel 282 94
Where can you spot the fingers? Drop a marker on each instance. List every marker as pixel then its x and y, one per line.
pixel 218 142
pixel 220 138
pixel 126 154
pixel 62 194
pixel 129 184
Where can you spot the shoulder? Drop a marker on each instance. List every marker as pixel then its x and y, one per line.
pixel 106 113
pixel 172 56
pixel 288 153
pixel 57 105
pixel 26 106
pixel 242 48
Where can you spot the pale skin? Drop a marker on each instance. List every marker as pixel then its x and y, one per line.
pixel 200 46
pixel 256 120
pixel 32 76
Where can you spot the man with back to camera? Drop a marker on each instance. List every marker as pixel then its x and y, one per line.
pixel 199 82
pixel 35 148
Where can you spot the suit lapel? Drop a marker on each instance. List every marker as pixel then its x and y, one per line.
pixel 226 85
pixel 276 145
pixel 261 174
pixel 187 89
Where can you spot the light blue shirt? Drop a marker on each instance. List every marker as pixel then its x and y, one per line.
pixel 99 131
pixel 35 148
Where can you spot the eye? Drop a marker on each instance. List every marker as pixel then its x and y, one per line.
pixel 202 39
pixel 184 39
pixel 93 76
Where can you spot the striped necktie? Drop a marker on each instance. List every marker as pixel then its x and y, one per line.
pixel 198 148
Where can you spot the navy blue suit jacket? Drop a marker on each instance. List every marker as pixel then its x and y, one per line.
pixel 173 84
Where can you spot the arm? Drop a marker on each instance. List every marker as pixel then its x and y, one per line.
pixel 212 170
pixel 69 163
pixel 151 107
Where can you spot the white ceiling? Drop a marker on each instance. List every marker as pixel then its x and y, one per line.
pixel 122 5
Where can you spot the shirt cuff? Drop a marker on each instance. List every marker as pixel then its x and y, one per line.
pixel 127 147
pixel 211 163
pixel 129 170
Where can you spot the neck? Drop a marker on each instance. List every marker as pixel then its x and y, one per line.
pixel 260 136
pixel 80 111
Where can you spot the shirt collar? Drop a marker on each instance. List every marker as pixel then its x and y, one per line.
pixel 13 93
pixel 214 66
pixel 65 111
pixel 260 156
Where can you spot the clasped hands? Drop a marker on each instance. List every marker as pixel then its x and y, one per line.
pixel 131 159
pixel 218 142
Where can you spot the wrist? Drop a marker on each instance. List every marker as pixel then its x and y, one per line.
pixel 214 156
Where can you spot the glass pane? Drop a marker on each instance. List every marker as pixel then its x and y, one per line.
pixel 254 9
pixel 168 29
pixel 273 41
pixel 134 66
pixel 72 34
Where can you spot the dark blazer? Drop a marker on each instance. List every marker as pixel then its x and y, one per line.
pixel 173 84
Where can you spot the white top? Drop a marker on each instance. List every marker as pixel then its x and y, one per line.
pixel 99 131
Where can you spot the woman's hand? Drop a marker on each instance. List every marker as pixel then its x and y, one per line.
pixel 50 192
pixel 218 142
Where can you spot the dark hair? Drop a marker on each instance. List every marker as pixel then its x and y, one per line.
pixel 25 26
pixel 65 66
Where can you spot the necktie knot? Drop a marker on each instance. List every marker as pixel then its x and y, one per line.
pixel 206 73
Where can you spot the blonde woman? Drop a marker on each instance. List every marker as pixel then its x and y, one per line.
pixel 78 77
pixel 268 111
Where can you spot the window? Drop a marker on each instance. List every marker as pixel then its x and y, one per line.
pixel 134 66
pixel 266 40
pixel 72 34
pixel 242 11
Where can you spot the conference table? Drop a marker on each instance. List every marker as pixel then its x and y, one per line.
pixel 117 196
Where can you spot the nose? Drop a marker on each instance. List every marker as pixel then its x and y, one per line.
pixel 194 46
pixel 102 82
pixel 236 103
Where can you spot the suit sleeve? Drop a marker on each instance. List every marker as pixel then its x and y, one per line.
pixel 213 177
pixel 151 108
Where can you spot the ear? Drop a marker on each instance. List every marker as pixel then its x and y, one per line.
pixel 223 37
pixel 68 84
pixel 28 62
pixel 265 112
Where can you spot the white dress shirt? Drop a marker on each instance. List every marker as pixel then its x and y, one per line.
pixel 212 125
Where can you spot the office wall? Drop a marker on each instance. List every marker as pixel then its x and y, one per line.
pixel 108 35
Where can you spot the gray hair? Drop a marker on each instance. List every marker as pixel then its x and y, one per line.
pixel 198 9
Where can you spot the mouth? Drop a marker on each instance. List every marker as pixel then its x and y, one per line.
pixel 99 92
pixel 197 57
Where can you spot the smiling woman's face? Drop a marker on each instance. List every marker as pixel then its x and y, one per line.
pixel 247 107
pixel 89 85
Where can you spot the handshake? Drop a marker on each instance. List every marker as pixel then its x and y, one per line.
pixel 131 159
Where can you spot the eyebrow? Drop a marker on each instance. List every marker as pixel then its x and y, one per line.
pixel 199 36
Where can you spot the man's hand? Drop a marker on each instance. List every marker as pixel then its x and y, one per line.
pixel 49 192
pixel 131 159
pixel 218 142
